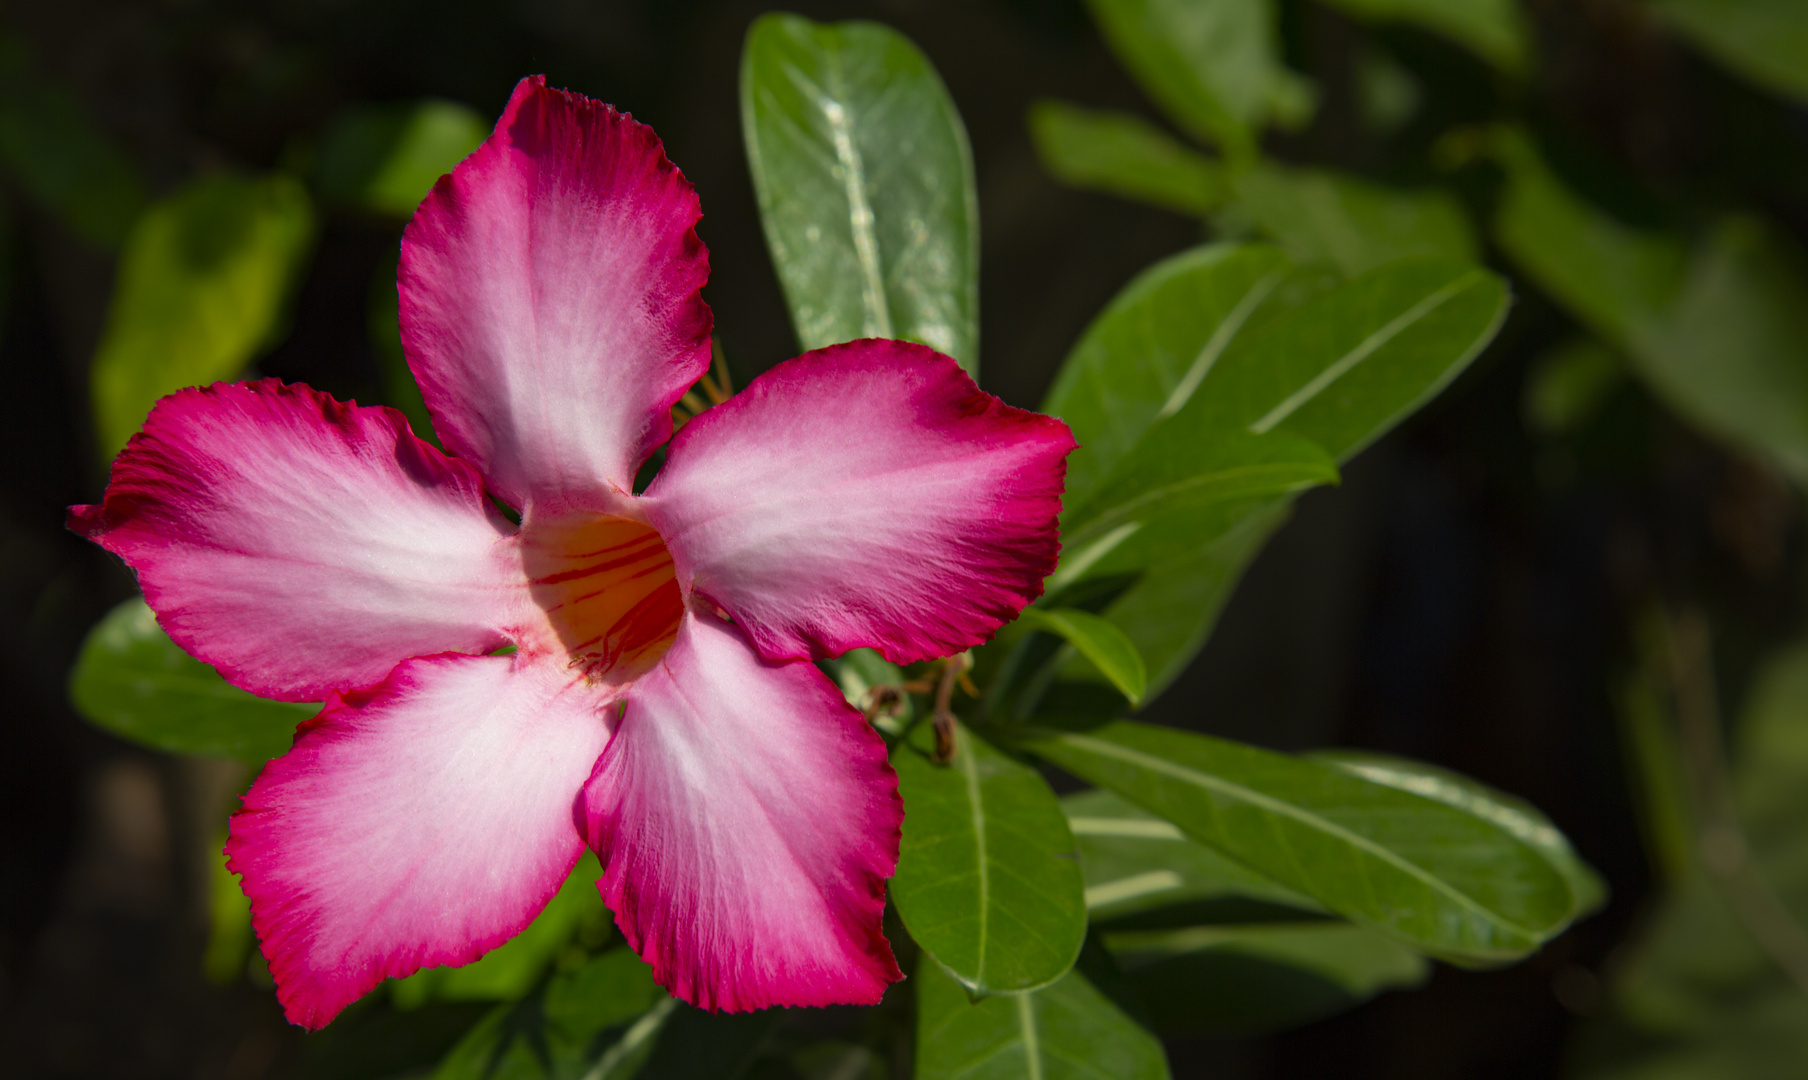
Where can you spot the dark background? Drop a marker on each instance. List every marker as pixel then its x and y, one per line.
pixel 1463 597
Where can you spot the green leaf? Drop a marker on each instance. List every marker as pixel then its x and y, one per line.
pixel 1732 354
pixel 858 672
pixel 138 684
pixel 202 284
pixel 1442 880
pixel 1495 30
pixel 52 147
pixel 1247 980
pixel 229 940
pixel 1135 861
pixel 1214 68
pixel 383 321
pixel 988 881
pixel 1616 279
pixel 597 1021
pixel 1067 1031
pixel 1099 642
pixel 510 970
pixel 385 158
pixel 865 185
pixel 1123 154
pixel 1764 40
pixel 1568 385
pixel 1516 817
pixel 1320 215
pixel 696 1045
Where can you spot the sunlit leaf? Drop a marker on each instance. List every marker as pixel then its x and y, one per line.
pixel 1123 154
pixel 385 158
pixel 202 284
pixel 1067 1031
pixel 865 185
pixel 1255 978
pixel 1764 40
pixel 1215 68
pixel 134 681
pixel 1320 215
pixel 988 881
pixel 1495 30
pixel 1442 880
pixel 1101 643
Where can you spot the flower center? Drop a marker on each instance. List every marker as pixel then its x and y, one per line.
pixel 609 591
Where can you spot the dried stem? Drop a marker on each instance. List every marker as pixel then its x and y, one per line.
pixel 954 670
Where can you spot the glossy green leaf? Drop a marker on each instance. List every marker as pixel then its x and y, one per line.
pixel 1214 68
pixel 385 158
pixel 988 881
pixel 1123 154
pixel 1445 881
pixel 1101 643
pixel 1323 216
pixel 1496 30
pixel 510 970
pixel 1135 861
pixel 52 148
pixel 202 284
pixel 597 1021
pixel 1067 1031
pixel 1568 385
pixel 1764 40
pixel 1516 817
pixel 865 185
pixel 1253 979
pixel 132 680
pixel 1616 279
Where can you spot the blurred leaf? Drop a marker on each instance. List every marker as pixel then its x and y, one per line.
pixel 385 158
pixel 1101 643
pixel 372 1041
pixel 1656 774
pixel 1249 980
pixel 1135 861
pixel 1320 215
pixel 138 684
pixel 384 323
pixel 1732 354
pixel 202 284
pixel 1067 1031
pixel 988 881
pixel 1516 817
pixel 596 1021
pixel 865 185
pixel 1388 94
pixel 1215 68
pixel 838 1061
pixel 1496 30
pixel 1445 881
pixel 1568 384
pixel 1617 280
pixel 60 158
pixel 1764 40
pixel 229 939
pixel 1125 155
pixel 696 1045
pixel 513 968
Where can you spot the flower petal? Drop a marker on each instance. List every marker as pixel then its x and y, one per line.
pixel 747 819
pixel 550 300
pixel 301 545
pixel 865 494
pixel 421 822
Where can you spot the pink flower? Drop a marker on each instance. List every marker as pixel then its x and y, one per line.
pixel 661 705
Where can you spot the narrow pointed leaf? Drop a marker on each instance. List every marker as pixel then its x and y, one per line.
pixel 988 881
pixel 1099 642
pixel 132 680
pixel 1442 880
pixel 1123 154
pixel 865 185
pixel 1067 1031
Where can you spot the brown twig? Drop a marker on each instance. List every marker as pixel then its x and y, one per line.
pixel 954 669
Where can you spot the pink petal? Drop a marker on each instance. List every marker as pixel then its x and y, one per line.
pixel 421 822
pixel 747 819
pixel 550 300
pixel 865 494
pixel 301 545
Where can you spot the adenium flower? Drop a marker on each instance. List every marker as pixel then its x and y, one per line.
pixel 660 705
